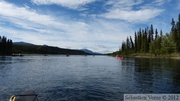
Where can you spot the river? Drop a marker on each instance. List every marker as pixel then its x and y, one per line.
pixel 87 78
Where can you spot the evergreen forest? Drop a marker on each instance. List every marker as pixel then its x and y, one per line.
pixel 5 46
pixel 153 41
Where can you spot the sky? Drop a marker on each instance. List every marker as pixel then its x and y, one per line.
pixel 98 25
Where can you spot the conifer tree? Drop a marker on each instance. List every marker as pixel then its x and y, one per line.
pixel 132 44
pixel 139 40
pixel 146 41
pixel 174 34
pixel 123 46
pixel 156 34
pixel 178 33
pixel 136 42
pixel 173 25
pixel 151 33
pixel 5 46
pixel 127 44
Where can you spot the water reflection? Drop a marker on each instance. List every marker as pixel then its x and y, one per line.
pixel 5 60
pixel 155 75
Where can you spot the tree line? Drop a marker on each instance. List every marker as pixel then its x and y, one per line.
pixel 5 46
pixel 150 40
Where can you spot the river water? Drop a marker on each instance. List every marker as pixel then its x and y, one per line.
pixel 87 78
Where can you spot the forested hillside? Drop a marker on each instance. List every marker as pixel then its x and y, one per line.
pixel 7 47
pixel 27 48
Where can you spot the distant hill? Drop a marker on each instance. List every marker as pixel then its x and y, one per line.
pixel 22 43
pixel 28 48
pixel 91 52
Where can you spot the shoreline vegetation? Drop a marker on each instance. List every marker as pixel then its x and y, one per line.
pixel 5 46
pixel 167 56
pixel 150 43
pixel 148 55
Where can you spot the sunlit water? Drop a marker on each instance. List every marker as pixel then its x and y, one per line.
pixel 86 78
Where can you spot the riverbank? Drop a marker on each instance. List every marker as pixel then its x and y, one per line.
pixel 147 55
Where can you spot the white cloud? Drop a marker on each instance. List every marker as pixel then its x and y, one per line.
pixel 73 4
pixel 66 33
pixel 132 15
pixel 160 2
pixel 26 18
pixel 133 10
pixel 124 4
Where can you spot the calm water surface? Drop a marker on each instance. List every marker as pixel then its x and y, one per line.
pixel 80 78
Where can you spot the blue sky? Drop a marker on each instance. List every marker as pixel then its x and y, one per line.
pixel 98 25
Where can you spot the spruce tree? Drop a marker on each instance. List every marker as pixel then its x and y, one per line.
pixel 5 46
pixel 127 44
pixel 151 33
pixel 132 44
pixel 174 34
pixel 146 41
pixel 178 33
pixel 136 42
pixel 173 25
pixel 156 34
pixel 139 40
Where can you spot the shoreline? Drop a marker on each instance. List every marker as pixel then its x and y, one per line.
pixel 147 55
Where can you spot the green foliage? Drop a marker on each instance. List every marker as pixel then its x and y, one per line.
pixel 175 32
pixel 146 42
pixel 168 45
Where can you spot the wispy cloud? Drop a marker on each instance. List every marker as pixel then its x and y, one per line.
pixel 47 29
pixel 132 15
pixel 26 18
pixel 124 4
pixel 73 4
pixel 160 2
pixel 132 10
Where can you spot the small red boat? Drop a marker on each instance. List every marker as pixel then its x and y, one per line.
pixel 120 57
